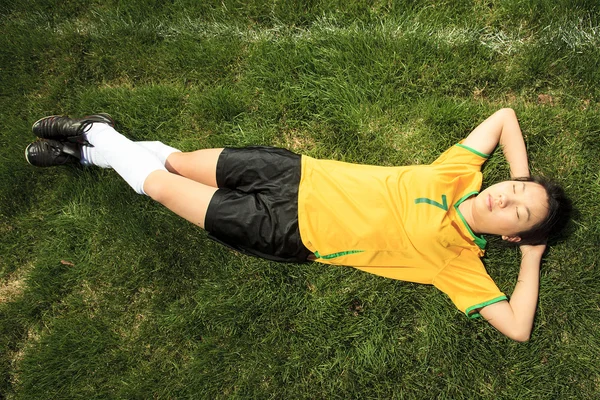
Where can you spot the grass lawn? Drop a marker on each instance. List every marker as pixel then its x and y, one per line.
pixel 105 294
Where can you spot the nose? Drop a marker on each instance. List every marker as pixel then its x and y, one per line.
pixel 502 201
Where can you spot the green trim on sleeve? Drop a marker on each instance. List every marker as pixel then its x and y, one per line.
pixel 335 255
pixel 480 154
pixel 479 240
pixel 481 305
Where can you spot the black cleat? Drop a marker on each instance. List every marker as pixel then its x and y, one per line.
pixel 60 127
pixel 49 153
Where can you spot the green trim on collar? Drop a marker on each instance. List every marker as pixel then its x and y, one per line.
pixel 479 240
pixel 481 305
pixel 480 154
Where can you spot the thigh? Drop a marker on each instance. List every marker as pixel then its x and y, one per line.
pixel 187 198
pixel 199 166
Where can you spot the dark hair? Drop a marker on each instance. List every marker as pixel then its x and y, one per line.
pixel 559 212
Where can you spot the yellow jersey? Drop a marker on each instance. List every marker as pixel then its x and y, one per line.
pixel 400 222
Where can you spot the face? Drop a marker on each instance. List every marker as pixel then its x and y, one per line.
pixel 510 207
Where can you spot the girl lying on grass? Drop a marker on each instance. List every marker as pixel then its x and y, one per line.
pixel 414 223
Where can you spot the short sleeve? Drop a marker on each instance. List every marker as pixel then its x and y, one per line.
pixel 461 154
pixel 468 284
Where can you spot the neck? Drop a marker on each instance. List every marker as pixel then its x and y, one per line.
pixel 466 209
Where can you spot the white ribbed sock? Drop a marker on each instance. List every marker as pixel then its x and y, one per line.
pixel 89 156
pixel 111 149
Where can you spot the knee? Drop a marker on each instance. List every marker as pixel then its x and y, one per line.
pixel 155 184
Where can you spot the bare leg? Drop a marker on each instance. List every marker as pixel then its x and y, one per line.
pixel 199 166
pixel 185 197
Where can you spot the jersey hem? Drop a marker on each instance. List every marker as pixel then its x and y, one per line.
pixel 336 255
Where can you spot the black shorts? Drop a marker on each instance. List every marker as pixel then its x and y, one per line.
pixel 255 209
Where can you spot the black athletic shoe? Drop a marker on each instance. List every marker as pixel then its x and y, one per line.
pixel 60 127
pixel 48 153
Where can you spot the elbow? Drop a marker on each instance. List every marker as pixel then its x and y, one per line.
pixel 521 339
pixel 508 112
pixel 520 336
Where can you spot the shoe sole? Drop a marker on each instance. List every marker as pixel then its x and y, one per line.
pixel 27 158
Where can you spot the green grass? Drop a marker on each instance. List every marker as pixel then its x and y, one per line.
pixel 104 294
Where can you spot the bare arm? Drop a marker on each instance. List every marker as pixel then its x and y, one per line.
pixel 514 318
pixel 502 128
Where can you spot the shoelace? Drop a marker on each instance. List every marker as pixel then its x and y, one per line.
pixel 80 138
pixel 60 149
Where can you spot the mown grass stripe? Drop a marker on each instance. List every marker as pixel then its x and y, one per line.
pixel 575 35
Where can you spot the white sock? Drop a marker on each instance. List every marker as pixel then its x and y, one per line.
pixel 89 156
pixel 134 163
pixel 160 150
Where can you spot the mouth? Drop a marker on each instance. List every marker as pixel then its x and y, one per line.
pixel 489 202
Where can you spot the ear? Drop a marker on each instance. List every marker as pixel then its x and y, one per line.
pixel 512 239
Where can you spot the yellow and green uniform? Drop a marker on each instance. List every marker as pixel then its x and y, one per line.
pixel 400 222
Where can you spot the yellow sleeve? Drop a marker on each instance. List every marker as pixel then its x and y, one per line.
pixel 461 154
pixel 468 284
